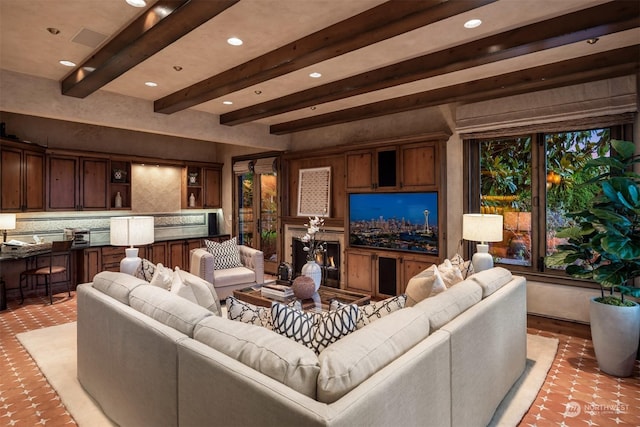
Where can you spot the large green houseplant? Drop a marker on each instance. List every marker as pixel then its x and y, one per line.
pixel 604 246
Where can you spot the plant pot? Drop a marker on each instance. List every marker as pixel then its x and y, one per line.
pixel 615 332
pixel 313 270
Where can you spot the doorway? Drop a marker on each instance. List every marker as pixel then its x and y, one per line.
pixel 257 208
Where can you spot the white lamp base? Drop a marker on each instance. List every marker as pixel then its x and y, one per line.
pixel 130 264
pixel 482 259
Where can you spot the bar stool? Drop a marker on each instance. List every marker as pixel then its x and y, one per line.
pixel 57 248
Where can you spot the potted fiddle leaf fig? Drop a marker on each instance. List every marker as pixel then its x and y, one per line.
pixel 604 246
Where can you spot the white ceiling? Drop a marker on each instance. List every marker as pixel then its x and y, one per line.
pixel 27 47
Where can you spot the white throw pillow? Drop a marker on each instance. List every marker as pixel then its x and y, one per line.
pixel 225 254
pixel 314 330
pixel 162 277
pixel 424 285
pixel 450 274
pixel 181 289
pixel 203 291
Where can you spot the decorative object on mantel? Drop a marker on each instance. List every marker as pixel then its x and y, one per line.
pixel 303 287
pixel 313 248
pixel 314 191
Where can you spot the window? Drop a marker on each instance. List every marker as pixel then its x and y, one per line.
pixel 534 180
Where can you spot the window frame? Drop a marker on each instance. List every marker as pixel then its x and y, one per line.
pixel 620 128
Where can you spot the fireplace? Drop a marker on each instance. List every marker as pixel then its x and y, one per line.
pixel 329 262
pixel 333 235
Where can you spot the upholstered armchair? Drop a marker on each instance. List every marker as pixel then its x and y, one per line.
pixel 225 281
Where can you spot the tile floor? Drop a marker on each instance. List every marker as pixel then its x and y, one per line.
pixel 575 393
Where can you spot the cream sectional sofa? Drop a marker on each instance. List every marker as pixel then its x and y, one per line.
pixel 151 358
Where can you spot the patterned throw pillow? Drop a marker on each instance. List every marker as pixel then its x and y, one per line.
pixel 145 270
pixel 225 254
pixel 465 267
pixel 375 310
pixel 314 330
pixel 248 313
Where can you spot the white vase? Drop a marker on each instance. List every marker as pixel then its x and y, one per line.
pixel 615 332
pixel 118 203
pixel 313 270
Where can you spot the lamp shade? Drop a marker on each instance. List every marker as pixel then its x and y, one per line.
pixel 131 230
pixel 482 228
pixel 7 221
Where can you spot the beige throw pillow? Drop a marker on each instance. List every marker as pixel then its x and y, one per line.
pixel 162 277
pixel 423 285
pixel 450 274
pixel 203 291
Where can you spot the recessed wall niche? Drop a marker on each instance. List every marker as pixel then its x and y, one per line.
pixel 155 189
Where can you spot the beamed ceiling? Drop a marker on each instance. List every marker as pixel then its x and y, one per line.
pixel 376 57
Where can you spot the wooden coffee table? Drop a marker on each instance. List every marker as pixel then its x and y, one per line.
pixel 320 302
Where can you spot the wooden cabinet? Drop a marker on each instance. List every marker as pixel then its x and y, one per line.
pixel 179 252
pixel 21 178
pixel 202 186
pixel 382 274
pixel 407 167
pixel 76 183
pixel 91 264
pixel 212 181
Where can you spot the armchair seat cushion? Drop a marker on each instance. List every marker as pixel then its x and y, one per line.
pixel 233 276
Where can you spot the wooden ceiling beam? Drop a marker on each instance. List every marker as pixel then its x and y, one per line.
pixel 614 63
pixel 164 23
pixel 585 24
pixel 379 23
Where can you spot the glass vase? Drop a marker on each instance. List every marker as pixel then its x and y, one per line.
pixel 313 270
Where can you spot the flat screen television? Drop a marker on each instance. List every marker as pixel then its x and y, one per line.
pixel 396 221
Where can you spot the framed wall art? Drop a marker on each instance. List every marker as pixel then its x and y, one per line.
pixel 314 192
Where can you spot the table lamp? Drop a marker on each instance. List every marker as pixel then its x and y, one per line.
pixel 482 228
pixel 7 222
pixel 130 231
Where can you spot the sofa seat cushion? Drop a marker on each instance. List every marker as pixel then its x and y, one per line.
pixel 492 279
pixel 347 363
pixel 233 276
pixel 167 308
pixel 445 306
pixel 117 285
pixel 263 350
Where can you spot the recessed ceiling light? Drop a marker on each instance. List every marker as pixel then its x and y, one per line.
pixel 53 31
pixel 257 92
pixel 68 63
pixel 593 40
pixel 234 41
pixel 472 23
pixel 136 3
pixel 227 102
pixel 177 68
pixel 315 75
pixel 151 84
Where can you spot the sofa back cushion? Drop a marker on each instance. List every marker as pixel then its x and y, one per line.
pixel 117 285
pixel 265 351
pixel 167 308
pixel 347 363
pixel 448 305
pixel 492 279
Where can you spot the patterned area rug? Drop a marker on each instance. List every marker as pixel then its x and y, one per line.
pixel 59 367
